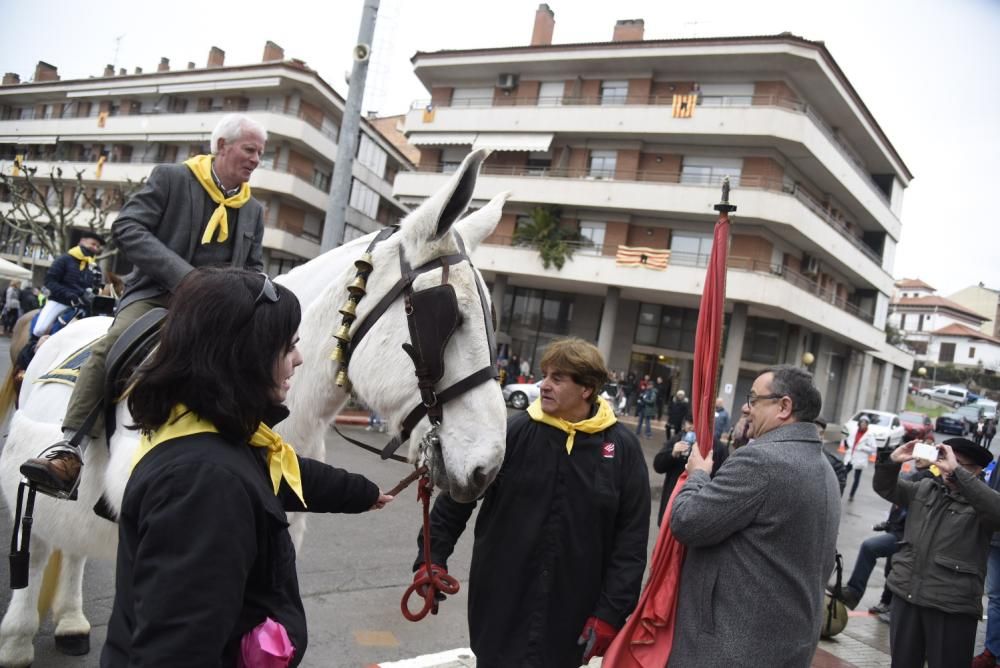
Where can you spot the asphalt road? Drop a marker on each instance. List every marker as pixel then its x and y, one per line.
pixel 354 569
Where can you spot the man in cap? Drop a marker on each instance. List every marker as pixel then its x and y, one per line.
pixel 938 574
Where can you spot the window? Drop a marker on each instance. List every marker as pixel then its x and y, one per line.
pixel 550 93
pixel 690 248
pixel 321 178
pixel 472 97
pixel 364 199
pixel 669 327
pixel 947 352
pixel 972 352
pixel 613 92
pixel 762 341
pixel 709 171
pixel 920 323
pixel 902 321
pixel 539 162
pixel 594 233
pixel 451 158
pixel 725 94
pixel 371 155
pixel 602 164
pixel 312 227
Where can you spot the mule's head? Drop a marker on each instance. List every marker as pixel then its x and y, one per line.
pixel 457 334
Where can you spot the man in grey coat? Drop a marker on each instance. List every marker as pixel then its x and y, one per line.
pixel 761 534
pixel 196 214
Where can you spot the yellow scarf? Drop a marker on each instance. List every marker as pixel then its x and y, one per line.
pixel 604 418
pixel 85 260
pixel 201 167
pixel 281 459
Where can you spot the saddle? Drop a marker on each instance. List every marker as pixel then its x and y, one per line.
pixel 135 344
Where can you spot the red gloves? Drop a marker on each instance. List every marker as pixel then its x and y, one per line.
pixel 596 637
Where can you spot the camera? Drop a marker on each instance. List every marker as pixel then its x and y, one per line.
pixel 926 451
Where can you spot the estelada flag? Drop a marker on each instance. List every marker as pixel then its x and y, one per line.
pixel 647 637
pixel 642 256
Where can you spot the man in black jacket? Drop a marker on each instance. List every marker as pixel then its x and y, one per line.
pixel 937 575
pixel 561 536
pixel 673 456
pixel 68 280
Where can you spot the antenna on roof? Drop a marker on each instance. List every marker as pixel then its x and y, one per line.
pixel 118 46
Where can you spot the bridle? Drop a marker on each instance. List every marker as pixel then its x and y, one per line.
pixel 432 317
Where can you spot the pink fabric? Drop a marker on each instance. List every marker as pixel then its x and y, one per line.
pixel 648 635
pixel 266 646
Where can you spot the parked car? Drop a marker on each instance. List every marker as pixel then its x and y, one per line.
pixel 973 412
pixel 988 407
pixel 887 428
pixel 953 395
pixel 610 394
pixel 950 423
pixel 917 425
pixel 520 395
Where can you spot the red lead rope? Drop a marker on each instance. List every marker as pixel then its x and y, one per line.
pixel 430 580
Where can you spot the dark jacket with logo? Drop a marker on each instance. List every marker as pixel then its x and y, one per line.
pixel 941 562
pixel 204 553
pixel 559 537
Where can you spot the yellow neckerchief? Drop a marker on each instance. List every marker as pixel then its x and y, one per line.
pixel 604 418
pixel 84 259
pixel 281 459
pixel 201 167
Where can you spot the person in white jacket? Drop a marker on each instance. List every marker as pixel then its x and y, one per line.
pixel 860 443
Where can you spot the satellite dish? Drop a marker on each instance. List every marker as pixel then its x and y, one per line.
pixel 362 52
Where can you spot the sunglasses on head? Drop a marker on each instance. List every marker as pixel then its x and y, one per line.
pixel 267 292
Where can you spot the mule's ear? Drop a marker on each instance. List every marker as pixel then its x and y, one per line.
pixel 478 225
pixel 435 216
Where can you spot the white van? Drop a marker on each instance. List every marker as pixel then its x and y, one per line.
pixel 952 395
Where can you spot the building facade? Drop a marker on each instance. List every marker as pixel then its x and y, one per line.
pixel 940 330
pixel 984 301
pixel 627 143
pixel 116 127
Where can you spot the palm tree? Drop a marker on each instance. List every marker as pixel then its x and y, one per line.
pixel 545 233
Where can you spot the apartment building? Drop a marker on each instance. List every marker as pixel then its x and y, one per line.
pixel 117 126
pixel 940 330
pixel 629 140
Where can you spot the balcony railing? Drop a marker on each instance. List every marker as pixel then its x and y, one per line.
pixel 252 106
pixel 788 104
pixel 780 186
pixel 734 263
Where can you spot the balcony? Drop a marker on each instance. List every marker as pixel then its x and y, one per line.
pixel 758 120
pixel 766 200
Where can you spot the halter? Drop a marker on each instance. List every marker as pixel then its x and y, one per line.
pixel 432 316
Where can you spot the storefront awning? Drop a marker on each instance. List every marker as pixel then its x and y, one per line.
pixel 504 141
pixel 442 138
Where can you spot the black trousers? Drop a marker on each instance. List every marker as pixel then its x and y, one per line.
pixel 917 633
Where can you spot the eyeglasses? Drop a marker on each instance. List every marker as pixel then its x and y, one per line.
pixel 753 398
pixel 267 291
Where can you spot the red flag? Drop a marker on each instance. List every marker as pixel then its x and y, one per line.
pixel 647 637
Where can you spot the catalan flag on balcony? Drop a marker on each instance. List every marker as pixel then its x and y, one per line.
pixel 641 256
pixel 684 105
pixel 18 161
pixel 100 166
pixel 103 117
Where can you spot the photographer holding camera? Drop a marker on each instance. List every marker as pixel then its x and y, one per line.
pixel 938 573
pixel 672 458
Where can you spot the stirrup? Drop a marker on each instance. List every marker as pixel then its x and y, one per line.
pixel 49 490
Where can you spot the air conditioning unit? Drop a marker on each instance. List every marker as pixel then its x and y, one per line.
pixel 507 81
pixel 810 265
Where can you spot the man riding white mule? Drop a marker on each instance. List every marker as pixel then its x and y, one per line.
pixel 196 214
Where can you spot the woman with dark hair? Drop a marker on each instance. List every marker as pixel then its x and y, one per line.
pixel 206 566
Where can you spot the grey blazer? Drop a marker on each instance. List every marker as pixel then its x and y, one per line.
pixel 761 538
pixel 160 227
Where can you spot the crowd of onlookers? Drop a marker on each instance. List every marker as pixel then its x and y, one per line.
pixel 18 300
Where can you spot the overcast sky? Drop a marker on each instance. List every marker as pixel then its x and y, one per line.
pixel 929 70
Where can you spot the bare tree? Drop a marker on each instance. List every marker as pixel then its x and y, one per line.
pixel 46 208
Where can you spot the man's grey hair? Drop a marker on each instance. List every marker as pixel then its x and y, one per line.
pixel 797 384
pixel 234 126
